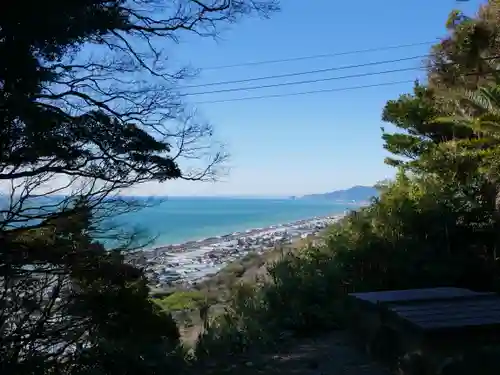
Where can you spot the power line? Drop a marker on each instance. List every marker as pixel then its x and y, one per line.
pixel 305 92
pixel 343 67
pixel 302 82
pixel 310 57
pixel 349 88
pixel 326 90
pixel 318 79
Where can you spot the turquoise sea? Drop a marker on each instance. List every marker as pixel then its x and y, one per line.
pixel 177 220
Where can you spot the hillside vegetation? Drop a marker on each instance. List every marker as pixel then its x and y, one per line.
pixel 436 224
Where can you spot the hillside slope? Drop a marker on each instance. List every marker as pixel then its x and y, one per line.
pixel 332 354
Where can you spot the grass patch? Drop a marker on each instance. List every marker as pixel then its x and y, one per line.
pixel 182 300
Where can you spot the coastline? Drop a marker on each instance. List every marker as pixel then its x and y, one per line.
pixel 180 221
pixel 193 261
pixel 208 241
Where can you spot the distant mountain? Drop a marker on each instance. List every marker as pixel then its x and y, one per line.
pixel 356 193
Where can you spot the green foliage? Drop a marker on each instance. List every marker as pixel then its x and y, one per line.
pixel 420 130
pixel 182 300
pixel 77 294
pixel 467 58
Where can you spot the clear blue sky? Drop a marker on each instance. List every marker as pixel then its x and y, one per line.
pixel 310 143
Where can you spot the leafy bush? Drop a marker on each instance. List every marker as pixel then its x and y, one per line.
pixel 240 327
pixel 415 235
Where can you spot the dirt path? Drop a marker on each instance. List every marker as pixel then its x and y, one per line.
pixel 334 354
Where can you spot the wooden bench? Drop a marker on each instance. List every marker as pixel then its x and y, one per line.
pixel 436 323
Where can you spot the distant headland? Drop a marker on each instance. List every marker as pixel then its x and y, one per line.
pixel 355 194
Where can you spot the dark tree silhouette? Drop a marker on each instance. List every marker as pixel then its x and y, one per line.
pixel 89 106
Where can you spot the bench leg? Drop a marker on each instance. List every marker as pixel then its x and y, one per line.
pixel 386 346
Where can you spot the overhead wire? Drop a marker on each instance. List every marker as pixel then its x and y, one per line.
pixel 305 92
pixel 309 57
pixel 309 81
pixel 303 82
pixel 342 67
pixel 348 88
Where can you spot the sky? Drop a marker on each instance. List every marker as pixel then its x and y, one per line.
pixel 294 145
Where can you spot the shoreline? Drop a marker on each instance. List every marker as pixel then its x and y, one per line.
pixel 193 261
pixel 209 240
pixel 183 244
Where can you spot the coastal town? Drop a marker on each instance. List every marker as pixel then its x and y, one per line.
pixel 195 260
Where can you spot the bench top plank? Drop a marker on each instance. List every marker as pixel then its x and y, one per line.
pixel 436 309
pixel 450 314
pixel 391 296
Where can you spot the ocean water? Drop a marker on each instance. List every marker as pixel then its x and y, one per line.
pixel 178 220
